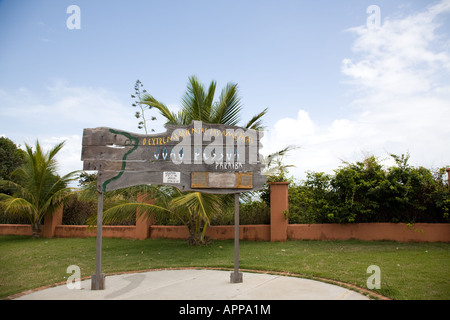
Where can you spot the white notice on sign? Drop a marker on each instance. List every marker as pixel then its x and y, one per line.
pixel 171 177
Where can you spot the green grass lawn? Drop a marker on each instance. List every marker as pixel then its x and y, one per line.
pixel 408 270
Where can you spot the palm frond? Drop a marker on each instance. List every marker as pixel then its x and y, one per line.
pixel 58 187
pixel 255 123
pixel 58 198
pixel 50 155
pixel 193 99
pixel 180 118
pixel 127 210
pixel 163 110
pixel 16 189
pixel 209 102
pixel 205 204
pixel 18 206
pixel 268 160
pixel 227 110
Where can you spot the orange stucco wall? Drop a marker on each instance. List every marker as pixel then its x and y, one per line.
pixel 419 232
pixel 15 229
pixel 246 232
pixel 127 232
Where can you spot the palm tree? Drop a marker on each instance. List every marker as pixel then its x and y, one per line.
pixel 198 104
pixel 193 209
pixel 36 188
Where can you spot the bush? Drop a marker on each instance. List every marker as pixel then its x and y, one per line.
pixel 366 192
pixel 77 212
pixel 252 212
pixel 12 219
pixel 356 192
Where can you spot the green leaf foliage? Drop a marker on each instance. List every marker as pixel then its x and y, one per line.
pixel 36 189
pixel 365 191
pixel 198 103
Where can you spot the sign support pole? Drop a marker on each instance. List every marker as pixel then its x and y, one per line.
pixel 236 276
pixel 125 159
pixel 98 279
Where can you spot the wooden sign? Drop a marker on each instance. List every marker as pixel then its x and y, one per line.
pixel 235 180
pixel 198 157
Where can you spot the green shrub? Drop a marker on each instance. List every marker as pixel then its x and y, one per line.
pixel 367 192
pixel 76 212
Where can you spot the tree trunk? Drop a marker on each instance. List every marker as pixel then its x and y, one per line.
pixel 197 239
pixel 36 228
pixel 197 230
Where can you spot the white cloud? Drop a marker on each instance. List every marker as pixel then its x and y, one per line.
pixel 295 130
pixel 403 55
pixel 60 113
pixel 401 75
pixel 69 106
pixel 90 106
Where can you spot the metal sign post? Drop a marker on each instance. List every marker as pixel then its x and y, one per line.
pixel 236 276
pixel 98 279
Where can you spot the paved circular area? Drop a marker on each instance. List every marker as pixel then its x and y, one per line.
pixel 196 284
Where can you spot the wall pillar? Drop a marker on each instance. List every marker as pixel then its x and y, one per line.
pixel 143 221
pixel 279 207
pixel 448 173
pixel 51 221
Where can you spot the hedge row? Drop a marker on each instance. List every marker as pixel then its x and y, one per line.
pixel 368 192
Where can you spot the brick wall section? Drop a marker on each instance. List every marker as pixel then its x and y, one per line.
pixel 419 232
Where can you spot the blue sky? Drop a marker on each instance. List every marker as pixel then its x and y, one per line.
pixel 333 86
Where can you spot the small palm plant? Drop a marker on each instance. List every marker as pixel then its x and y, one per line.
pixel 275 168
pixel 193 209
pixel 36 189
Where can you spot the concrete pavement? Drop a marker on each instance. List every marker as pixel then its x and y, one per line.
pixel 193 284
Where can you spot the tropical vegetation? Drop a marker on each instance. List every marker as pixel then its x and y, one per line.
pixel 364 191
pixel 367 191
pixel 193 209
pixel 11 157
pixel 35 189
pixel 198 104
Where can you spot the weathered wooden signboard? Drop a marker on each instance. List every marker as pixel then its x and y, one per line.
pixel 199 157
